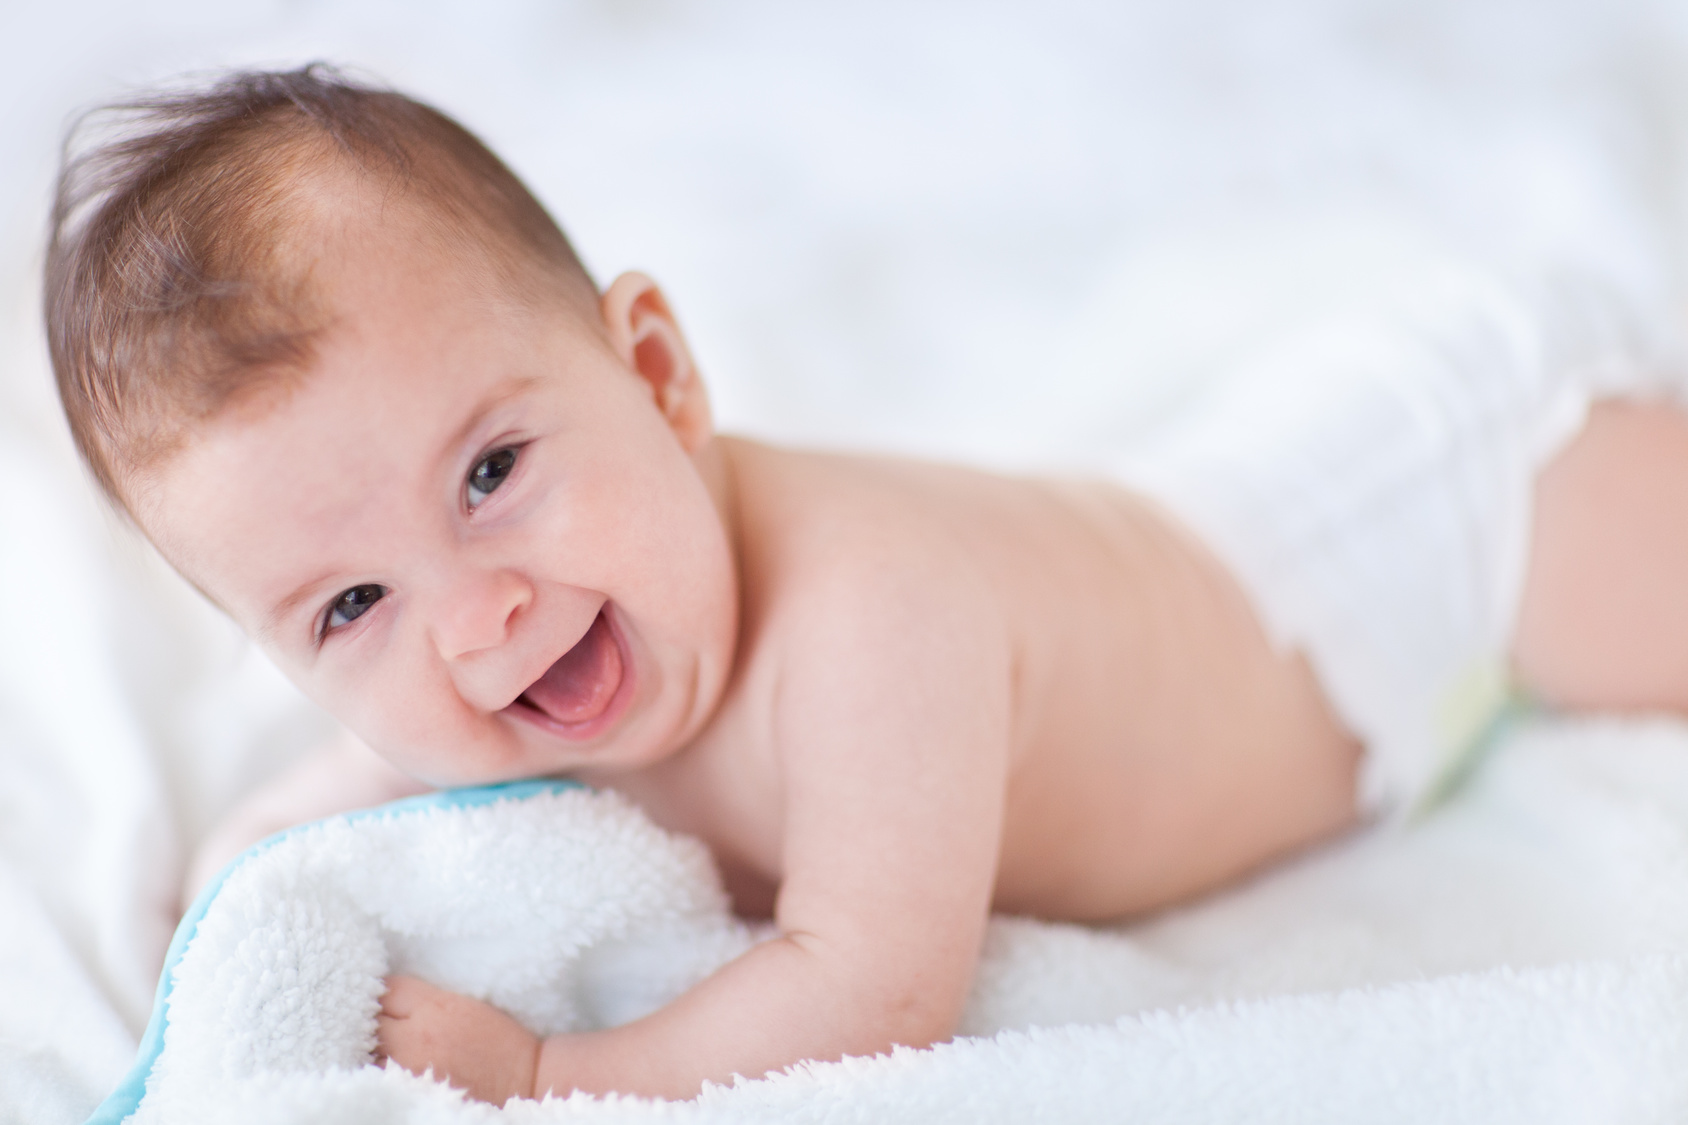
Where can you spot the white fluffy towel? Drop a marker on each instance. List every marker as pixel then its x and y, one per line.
pixel 568 909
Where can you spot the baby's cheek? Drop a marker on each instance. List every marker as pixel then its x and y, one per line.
pixel 405 706
pixel 407 715
pixel 444 743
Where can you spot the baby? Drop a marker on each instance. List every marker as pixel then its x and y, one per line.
pixel 347 375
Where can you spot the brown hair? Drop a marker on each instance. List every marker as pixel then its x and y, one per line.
pixel 171 285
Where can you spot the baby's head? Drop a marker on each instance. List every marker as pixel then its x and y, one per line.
pixel 347 374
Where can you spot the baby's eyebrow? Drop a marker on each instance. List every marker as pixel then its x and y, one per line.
pixel 494 398
pixel 271 625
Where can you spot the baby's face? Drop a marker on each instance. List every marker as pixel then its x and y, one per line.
pixel 469 531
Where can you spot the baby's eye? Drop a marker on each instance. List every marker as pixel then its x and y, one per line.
pixel 350 605
pixel 489 473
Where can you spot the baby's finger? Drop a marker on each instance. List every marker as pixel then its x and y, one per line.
pixel 393 1043
pixel 403 996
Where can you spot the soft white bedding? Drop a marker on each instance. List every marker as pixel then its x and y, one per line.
pixel 1011 235
pixel 277 974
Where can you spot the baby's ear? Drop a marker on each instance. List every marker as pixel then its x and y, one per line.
pixel 649 341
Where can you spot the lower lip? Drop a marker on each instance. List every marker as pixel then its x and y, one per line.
pixel 587 729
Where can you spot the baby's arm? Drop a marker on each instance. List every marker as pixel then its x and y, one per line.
pixel 893 723
pixel 339 775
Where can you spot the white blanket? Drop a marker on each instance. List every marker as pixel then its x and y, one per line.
pixel 276 977
pixel 1009 233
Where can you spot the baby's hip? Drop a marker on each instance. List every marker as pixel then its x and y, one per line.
pixel 1370 487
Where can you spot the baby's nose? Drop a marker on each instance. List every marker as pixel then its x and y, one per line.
pixel 478 612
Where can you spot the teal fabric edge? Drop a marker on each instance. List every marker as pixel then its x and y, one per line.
pixel 126 1099
pixel 1518 708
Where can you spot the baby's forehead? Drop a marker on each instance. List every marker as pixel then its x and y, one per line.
pixel 409 345
pixel 302 266
pixel 347 260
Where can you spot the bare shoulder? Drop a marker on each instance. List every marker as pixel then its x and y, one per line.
pixel 818 526
pixel 861 571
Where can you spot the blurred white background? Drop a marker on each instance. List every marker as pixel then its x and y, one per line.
pixel 1004 233
pixel 882 221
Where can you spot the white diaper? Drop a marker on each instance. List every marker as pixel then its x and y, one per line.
pixel 1370 485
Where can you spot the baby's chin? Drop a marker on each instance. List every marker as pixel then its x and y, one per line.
pixel 520 744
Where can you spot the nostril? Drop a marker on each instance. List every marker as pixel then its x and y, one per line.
pixel 482 614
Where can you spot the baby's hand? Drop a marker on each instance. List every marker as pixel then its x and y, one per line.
pixel 474 1045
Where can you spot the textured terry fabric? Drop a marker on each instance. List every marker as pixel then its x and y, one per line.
pixel 572 911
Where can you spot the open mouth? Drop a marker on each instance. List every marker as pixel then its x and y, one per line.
pixel 580 687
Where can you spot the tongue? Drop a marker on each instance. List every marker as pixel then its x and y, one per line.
pixel 580 684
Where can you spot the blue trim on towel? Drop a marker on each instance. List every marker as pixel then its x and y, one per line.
pixel 1518 708
pixel 127 1097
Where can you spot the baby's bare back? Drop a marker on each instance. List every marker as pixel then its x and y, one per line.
pixel 1158 746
